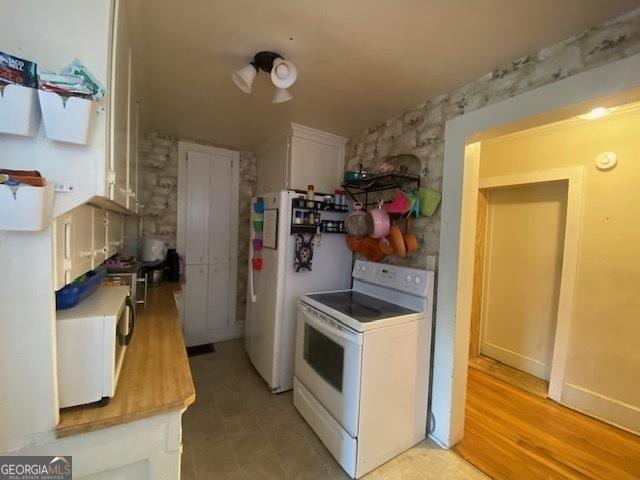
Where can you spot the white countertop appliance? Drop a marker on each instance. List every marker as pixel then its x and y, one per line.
pixel 362 364
pixel 275 286
pixel 92 338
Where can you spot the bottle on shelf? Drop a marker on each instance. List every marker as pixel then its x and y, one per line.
pixel 336 199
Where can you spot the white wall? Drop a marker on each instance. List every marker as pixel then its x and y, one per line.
pixel 603 363
pixel 52 35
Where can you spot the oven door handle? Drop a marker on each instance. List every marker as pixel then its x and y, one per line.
pixel 312 319
pixel 126 339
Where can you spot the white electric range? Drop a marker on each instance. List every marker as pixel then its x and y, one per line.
pixel 362 364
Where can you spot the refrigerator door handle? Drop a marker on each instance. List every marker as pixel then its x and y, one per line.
pixel 254 297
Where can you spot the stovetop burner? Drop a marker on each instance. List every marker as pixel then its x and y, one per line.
pixel 359 306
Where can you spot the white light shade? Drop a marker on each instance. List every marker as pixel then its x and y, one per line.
pixel 244 77
pixel 283 73
pixel 281 95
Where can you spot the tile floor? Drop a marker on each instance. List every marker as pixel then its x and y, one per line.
pixel 238 430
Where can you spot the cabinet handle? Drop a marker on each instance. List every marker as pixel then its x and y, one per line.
pixel 67 240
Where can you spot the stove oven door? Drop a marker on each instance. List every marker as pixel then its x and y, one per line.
pixel 328 363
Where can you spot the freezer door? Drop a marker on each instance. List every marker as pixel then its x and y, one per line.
pixel 272 293
pixel 330 270
pixel 264 289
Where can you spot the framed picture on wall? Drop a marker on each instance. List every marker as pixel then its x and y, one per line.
pixel 270 228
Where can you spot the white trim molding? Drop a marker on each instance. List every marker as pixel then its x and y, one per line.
pixel 609 85
pixel 620 414
pixel 574 176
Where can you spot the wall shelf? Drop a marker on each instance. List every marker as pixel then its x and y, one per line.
pixel 379 183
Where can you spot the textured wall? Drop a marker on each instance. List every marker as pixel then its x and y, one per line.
pixel 420 130
pixel 159 195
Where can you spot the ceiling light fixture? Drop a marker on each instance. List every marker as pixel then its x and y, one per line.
pixel 596 113
pixel 283 74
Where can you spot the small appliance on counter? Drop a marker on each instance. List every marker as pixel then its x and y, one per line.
pixel 92 339
pixel 153 249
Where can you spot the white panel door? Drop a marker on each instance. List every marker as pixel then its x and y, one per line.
pixel 195 298
pixel 219 209
pixel 81 240
pixel 523 263
pixel 198 202
pixel 218 296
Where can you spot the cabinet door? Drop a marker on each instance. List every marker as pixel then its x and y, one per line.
pixel 114 233
pixel 132 141
pixel 62 250
pixel 133 158
pixel 81 240
pixel 198 202
pixel 315 163
pixel 220 209
pixel 120 82
pixel 195 299
pixel 99 236
pixel 218 293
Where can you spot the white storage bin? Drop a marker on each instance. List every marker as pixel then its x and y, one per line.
pixel 19 110
pixel 66 121
pixel 29 210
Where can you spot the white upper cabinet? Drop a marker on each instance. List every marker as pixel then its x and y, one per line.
pixel 83 239
pixel 298 157
pixel 123 108
pixel 98 172
pixel 99 236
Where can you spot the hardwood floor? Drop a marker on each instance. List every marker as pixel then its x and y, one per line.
pixel 512 434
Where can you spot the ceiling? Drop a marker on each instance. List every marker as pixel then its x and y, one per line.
pixel 359 61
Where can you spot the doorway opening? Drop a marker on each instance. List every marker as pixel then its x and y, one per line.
pixel 551 390
pixel 515 303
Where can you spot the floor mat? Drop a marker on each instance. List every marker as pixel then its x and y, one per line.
pixel 200 350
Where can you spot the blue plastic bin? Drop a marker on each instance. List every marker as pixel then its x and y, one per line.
pixel 72 294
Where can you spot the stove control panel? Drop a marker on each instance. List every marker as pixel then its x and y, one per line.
pixel 410 280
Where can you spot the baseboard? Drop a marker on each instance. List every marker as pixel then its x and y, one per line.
pixel 236 330
pixel 606 409
pixel 514 359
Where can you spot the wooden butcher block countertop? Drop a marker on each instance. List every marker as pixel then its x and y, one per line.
pixel 155 376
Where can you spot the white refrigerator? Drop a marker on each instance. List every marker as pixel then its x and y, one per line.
pixel 273 287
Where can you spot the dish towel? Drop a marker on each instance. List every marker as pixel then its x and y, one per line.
pixel 303 252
